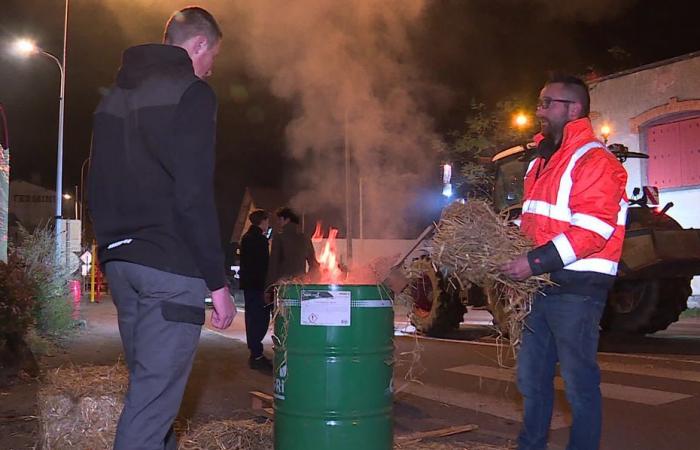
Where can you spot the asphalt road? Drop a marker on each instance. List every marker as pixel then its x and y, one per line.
pixel 650 385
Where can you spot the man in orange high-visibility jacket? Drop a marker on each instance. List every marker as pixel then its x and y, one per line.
pixel 574 210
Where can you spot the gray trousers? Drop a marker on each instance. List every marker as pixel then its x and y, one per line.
pixel 160 320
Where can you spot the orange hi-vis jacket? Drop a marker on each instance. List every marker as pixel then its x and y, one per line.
pixel 575 209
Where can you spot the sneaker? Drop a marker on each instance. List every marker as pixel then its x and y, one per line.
pixel 260 363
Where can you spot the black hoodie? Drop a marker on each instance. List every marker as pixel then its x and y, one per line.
pixel 150 185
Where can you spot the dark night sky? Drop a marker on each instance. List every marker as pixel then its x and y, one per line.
pixel 462 49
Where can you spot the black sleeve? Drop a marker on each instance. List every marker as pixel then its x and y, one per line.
pixel 194 154
pixel 254 258
pixel 544 259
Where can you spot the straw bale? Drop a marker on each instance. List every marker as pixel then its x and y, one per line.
pixel 79 406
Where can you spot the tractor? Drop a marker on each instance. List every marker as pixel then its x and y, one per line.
pixel 658 261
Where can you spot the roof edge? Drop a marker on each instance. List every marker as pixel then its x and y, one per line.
pixel 653 65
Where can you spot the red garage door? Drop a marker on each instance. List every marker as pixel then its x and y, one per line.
pixel 674 154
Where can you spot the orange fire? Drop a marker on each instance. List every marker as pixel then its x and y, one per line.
pixel 318 233
pixel 328 260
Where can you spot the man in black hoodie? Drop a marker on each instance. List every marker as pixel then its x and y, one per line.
pixel 152 204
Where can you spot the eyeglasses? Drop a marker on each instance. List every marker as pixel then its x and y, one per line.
pixel 546 102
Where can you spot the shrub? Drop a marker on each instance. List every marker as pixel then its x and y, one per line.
pixel 17 294
pixel 50 277
pixel 16 298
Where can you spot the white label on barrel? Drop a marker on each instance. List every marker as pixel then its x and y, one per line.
pixel 325 308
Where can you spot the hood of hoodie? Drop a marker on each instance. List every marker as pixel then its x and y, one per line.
pixel 141 62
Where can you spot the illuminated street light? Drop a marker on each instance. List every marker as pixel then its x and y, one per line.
pixel 521 121
pixel 605 132
pixel 67 196
pixel 25 47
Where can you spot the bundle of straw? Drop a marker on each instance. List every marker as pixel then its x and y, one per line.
pixel 470 243
pixel 79 406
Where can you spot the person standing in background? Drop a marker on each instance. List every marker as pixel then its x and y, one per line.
pixel 255 256
pixel 291 250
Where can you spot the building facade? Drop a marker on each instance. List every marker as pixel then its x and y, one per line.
pixel 655 110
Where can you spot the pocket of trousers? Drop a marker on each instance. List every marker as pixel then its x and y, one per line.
pixel 177 312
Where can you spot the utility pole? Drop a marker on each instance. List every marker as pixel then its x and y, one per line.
pixel 4 184
pixel 348 218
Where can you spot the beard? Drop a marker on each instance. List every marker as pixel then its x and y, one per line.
pixel 547 147
pixel 553 133
pixel 551 129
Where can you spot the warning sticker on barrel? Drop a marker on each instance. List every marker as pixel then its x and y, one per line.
pixel 325 308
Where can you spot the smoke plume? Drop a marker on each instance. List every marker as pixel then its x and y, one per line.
pixel 346 67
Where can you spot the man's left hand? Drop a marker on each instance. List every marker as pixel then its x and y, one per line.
pixel 517 269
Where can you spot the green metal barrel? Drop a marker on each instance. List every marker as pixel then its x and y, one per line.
pixel 333 368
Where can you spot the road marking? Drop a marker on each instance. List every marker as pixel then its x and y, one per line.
pixel 487 404
pixel 651 371
pixel 652 358
pixel 609 390
pixel 411 334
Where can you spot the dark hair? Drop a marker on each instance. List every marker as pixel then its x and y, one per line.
pixel 577 87
pixel 286 212
pixel 257 217
pixel 189 22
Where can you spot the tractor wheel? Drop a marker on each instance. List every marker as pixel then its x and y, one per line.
pixel 437 308
pixel 645 306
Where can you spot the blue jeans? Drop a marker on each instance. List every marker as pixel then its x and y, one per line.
pixel 561 328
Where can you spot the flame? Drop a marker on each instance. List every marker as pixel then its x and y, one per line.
pixel 318 233
pixel 328 260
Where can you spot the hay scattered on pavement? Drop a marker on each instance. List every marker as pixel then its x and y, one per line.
pixel 452 446
pixel 229 435
pixel 253 435
pixel 471 242
pixel 79 406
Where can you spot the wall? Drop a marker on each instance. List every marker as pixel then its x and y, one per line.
pixel 629 102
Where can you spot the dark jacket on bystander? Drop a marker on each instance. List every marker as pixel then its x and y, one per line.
pixel 255 257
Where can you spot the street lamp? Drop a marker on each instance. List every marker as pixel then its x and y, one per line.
pixel 27 47
pixel 605 132
pixel 521 121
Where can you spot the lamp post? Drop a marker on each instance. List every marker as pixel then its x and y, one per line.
pixel 82 187
pixel 27 47
pixel 4 184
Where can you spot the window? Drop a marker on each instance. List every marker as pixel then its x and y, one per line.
pixel 674 154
